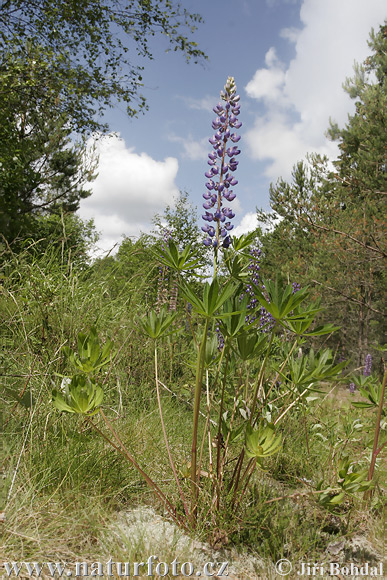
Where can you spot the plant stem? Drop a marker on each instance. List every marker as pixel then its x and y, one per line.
pixel 182 497
pixel 291 405
pixel 219 435
pixel 122 449
pixel 198 391
pixel 261 375
pixel 375 450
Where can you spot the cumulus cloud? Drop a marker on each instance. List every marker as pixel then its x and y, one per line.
pixel 268 83
pixel 203 104
pixel 248 224
pixel 130 188
pixel 299 99
pixel 191 149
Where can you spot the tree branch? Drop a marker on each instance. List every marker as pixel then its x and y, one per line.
pixel 350 298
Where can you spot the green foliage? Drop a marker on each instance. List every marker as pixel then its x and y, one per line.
pixel 300 321
pixel 309 370
pixel 156 324
pixel 43 168
pixel 86 48
pixel 250 345
pixel 352 479
pixel 214 296
pixel 281 301
pixel 179 261
pixel 331 232
pixel 370 389
pixel 82 395
pixel 243 416
pixel 91 357
pixel 233 317
pixel 66 461
pixel 263 442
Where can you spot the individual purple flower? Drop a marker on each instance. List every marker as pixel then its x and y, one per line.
pixel 223 163
pixel 368 365
pixel 296 287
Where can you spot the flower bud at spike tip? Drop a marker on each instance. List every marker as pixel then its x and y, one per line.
pixel 223 164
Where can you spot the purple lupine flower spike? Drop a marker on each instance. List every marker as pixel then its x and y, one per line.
pixel 223 163
pixel 368 365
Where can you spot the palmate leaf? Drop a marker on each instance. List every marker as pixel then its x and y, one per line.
pixel 233 434
pixel 352 479
pixel 234 319
pixel 312 368
pixel 213 297
pixel 263 442
pixel 90 357
pixel 300 320
pixel 83 396
pixel 156 324
pixel 250 345
pixel 236 266
pixel 281 301
pixel 371 391
pixel 178 261
pixel 243 242
pixel 211 353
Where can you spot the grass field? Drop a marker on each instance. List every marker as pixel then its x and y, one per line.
pixel 66 495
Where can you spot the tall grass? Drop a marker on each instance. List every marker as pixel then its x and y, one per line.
pixel 62 485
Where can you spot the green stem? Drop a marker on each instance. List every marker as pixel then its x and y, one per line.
pixel 122 449
pixel 182 497
pixel 261 375
pixel 198 391
pixel 375 450
pixel 219 436
pixel 280 371
pixel 220 477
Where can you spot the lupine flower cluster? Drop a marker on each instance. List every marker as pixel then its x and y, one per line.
pixel 368 365
pixel 223 163
pixel 253 268
pixel 220 337
pixel 296 287
pixel 352 388
pixel 265 318
pixel 266 321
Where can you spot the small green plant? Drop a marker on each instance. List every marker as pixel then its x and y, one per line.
pixel 375 391
pixel 352 479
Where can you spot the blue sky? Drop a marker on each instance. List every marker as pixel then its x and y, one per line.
pixel 289 59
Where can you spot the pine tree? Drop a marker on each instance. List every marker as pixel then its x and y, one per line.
pixel 332 233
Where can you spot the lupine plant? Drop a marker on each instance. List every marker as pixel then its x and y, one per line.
pixel 239 401
pixel 373 391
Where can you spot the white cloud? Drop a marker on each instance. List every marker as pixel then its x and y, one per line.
pixel 290 34
pixel 248 224
pixel 268 83
pixel 204 104
pixel 300 99
pixel 191 148
pixel 129 190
